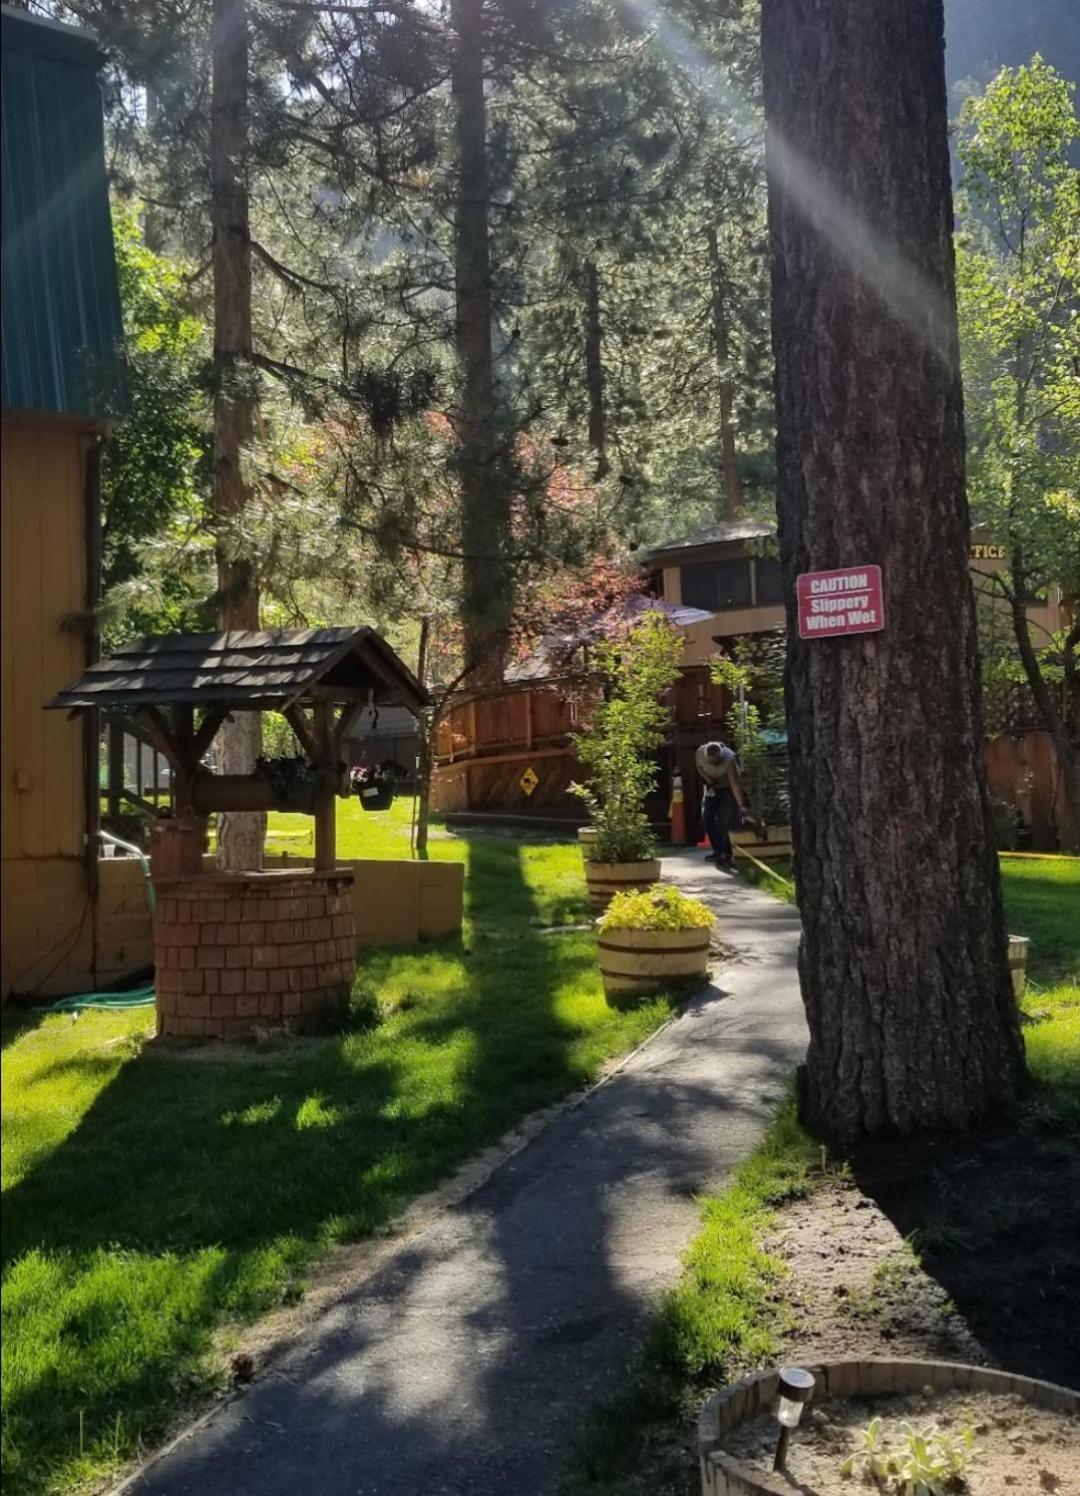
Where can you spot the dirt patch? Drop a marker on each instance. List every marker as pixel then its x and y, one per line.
pixel 855 1287
pixel 990 1446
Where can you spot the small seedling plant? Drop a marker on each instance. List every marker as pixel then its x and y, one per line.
pixel 926 1462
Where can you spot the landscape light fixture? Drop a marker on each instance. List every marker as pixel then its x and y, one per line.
pixel 796 1390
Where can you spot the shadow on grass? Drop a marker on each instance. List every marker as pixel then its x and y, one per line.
pixel 196 1190
pixel 15 1023
pixel 995 1217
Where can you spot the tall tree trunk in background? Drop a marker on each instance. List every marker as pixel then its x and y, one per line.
pixel 733 490
pixel 1061 719
pixel 485 500
pixel 594 370
pixel 913 1023
pixel 426 726
pixel 240 837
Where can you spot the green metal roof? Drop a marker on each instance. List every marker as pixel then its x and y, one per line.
pixel 61 303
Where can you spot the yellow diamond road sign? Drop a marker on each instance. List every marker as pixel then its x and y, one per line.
pixel 529 780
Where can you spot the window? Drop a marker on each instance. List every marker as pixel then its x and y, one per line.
pixel 716 585
pixel 770 584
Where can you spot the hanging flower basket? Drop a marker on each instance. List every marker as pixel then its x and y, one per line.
pixel 294 782
pixel 373 787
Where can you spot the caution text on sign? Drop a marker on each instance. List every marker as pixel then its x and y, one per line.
pixel 834 603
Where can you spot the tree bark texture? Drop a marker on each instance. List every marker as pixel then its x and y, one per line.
pixel 485 500
pixel 733 489
pixel 594 370
pixel 240 836
pixel 912 1019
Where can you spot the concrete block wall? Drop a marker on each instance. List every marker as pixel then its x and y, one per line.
pixel 398 902
pixel 56 943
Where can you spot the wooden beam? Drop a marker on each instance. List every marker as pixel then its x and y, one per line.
pixel 325 796
pixel 230 792
pixel 337 695
pixel 502 758
pixel 207 732
pixel 305 735
pixel 183 724
pixel 159 732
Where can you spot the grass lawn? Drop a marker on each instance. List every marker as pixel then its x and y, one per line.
pixel 153 1196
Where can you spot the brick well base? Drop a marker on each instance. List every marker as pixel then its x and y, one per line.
pixel 238 951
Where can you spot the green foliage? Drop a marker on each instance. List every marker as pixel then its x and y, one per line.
pixel 617 747
pixel 753 675
pixel 656 909
pixel 1018 285
pixel 926 1462
pixel 156 561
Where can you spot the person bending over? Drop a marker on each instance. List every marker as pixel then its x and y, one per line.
pixel 723 803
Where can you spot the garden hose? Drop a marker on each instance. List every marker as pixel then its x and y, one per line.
pixel 742 852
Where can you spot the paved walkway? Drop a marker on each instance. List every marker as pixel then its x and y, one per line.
pixel 464 1363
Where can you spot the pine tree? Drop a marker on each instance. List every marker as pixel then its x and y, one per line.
pixel 913 1023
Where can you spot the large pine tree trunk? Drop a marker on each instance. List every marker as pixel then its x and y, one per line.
pixel 733 490
pixel 594 370
pixel 903 959
pixel 240 836
pixel 484 495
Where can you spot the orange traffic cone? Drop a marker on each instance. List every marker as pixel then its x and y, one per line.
pixel 677 812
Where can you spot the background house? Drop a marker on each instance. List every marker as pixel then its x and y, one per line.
pixel 731 571
pixel 61 321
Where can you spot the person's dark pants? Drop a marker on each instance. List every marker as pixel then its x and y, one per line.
pixel 720 817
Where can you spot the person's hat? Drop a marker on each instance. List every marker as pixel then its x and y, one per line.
pixel 713 750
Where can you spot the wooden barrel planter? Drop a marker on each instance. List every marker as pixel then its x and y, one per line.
pixel 722 1474
pixel 636 962
pixel 605 879
pixel 1018 954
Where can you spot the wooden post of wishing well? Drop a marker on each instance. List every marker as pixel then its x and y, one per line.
pixel 325 795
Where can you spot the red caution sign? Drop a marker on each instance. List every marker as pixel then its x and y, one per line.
pixel 834 603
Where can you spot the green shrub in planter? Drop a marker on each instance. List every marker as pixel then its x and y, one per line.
pixel 617 747
pixel 653 940
pixel 656 909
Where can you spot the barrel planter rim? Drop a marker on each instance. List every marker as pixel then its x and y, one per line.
pixel 605 879
pixel 869 1376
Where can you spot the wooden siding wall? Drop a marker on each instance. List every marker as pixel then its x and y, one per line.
pixel 44 569
pixel 1024 771
pixel 486 743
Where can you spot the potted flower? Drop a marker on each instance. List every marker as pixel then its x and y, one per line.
pixel 651 938
pixel 373 786
pixel 293 781
pixel 617 751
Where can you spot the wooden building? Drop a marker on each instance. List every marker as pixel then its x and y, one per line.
pixel 61 320
pixel 508 751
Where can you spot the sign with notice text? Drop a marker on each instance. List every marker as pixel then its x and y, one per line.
pixel 840 602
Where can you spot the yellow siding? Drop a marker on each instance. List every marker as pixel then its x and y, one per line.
pixel 46 916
